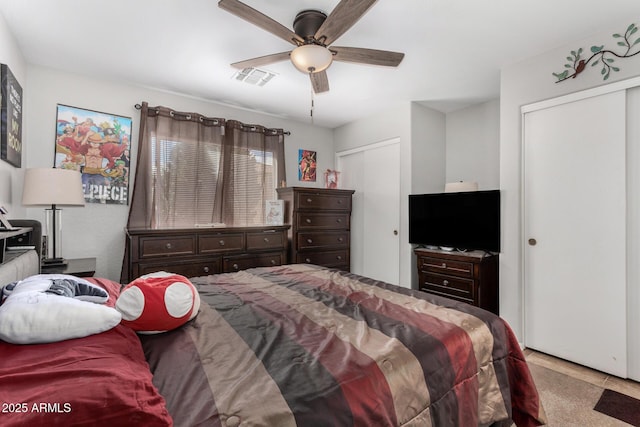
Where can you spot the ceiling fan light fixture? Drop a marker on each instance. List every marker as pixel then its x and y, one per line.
pixel 311 58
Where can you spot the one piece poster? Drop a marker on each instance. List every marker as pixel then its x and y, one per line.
pixel 98 145
pixel 306 165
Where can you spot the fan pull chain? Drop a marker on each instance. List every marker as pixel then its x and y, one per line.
pixel 312 106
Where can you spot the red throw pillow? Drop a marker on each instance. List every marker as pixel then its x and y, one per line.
pixel 158 302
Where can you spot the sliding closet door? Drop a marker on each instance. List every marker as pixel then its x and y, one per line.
pixel 575 232
pixel 374 173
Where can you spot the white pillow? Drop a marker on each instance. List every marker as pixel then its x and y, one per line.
pixel 31 315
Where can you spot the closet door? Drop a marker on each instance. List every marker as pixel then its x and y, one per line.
pixel 575 232
pixel 374 173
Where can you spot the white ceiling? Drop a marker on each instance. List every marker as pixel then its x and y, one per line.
pixel 454 49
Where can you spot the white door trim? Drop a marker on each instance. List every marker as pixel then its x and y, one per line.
pixel 583 94
pixel 366 147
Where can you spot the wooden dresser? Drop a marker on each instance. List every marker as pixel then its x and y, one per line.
pixel 320 225
pixel 470 277
pixel 202 251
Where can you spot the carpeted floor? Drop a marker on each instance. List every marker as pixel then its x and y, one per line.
pixel 569 401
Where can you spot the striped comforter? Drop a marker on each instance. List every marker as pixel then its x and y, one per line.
pixel 308 346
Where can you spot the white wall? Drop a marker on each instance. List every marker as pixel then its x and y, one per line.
pixel 428 152
pixel 10 176
pixel 422 135
pixel 473 145
pixel 435 148
pixel 98 230
pixel 521 84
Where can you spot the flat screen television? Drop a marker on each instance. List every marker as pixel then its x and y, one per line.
pixel 464 221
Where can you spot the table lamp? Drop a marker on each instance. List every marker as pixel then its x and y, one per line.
pixel 54 187
pixel 460 186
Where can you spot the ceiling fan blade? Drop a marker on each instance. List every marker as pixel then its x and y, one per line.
pixel 367 56
pixel 319 82
pixel 261 60
pixel 259 19
pixel 343 16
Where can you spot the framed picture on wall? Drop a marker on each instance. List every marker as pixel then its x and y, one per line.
pixel 307 165
pixel 98 145
pixel 11 118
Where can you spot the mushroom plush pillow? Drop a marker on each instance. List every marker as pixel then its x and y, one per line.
pixel 158 302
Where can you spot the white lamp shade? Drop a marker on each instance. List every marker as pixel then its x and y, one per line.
pixel 311 58
pixel 52 186
pixel 460 186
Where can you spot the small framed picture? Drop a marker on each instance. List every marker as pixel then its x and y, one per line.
pixel 331 178
pixel 274 212
pixel 307 161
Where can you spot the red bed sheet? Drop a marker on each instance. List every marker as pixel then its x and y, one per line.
pixel 101 379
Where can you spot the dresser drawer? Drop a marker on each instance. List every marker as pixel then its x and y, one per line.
pixel 266 240
pixel 186 268
pixel 231 264
pixel 324 258
pixel 314 201
pixel 330 239
pixel 449 286
pixel 223 242
pixel 445 266
pixel 167 246
pixel 310 220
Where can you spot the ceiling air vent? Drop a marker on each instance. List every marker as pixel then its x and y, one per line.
pixel 254 76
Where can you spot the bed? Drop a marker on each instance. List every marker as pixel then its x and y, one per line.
pixel 289 345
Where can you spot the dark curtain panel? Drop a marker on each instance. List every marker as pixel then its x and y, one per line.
pixel 254 169
pixel 179 159
pixel 194 170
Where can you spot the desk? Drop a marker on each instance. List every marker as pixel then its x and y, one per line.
pixel 9 234
pixel 79 267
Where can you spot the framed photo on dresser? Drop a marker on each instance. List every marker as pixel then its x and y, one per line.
pixel 274 212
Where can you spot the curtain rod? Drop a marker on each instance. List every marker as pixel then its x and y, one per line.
pixel 286 132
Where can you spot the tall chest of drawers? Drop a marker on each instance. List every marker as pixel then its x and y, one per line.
pixel 470 277
pixel 203 251
pixel 320 222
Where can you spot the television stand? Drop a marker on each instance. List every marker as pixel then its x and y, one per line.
pixel 470 277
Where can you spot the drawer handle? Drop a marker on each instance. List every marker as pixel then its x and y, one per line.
pixel 206 269
pixel 266 240
pixel 340 239
pixel 339 220
pixel 444 265
pixel 445 282
pixel 221 242
pixel 307 260
pixel 309 240
pixel 308 220
pixel 235 266
pixel 309 200
pixel 339 258
pixel 168 246
pixel 273 262
pixel 339 201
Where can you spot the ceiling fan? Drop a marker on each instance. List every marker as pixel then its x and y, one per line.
pixel 313 34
